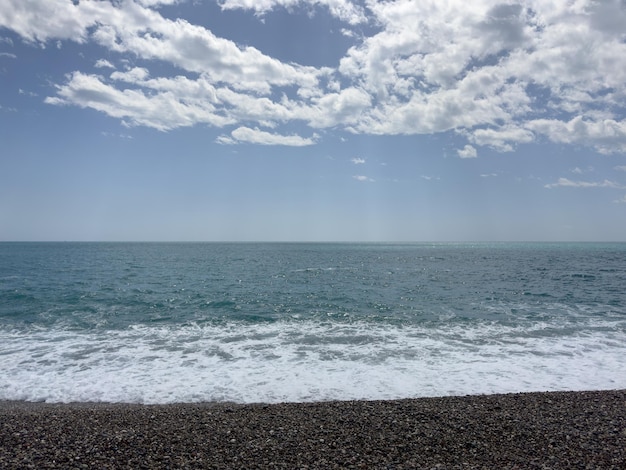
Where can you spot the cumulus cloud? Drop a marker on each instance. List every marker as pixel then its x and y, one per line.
pixel 363 178
pixel 133 75
pixel 358 161
pixel 607 135
pixel 500 74
pixel 478 67
pixel 345 10
pixel 502 139
pixel 160 109
pixel 256 136
pixel 149 3
pixel 103 63
pixel 567 183
pixel 467 152
pixel 40 21
pixel 343 108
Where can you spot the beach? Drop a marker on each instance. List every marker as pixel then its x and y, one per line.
pixel 523 430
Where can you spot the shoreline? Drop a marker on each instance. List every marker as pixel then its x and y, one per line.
pixel 518 430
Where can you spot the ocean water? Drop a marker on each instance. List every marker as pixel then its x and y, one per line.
pixel 273 322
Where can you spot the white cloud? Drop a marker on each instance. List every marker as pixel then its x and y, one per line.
pixel 440 47
pixel 256 136
pixel 129 27
pixel 580 171
pixel 121 136
pixel 345 10
pixel 358 161
pixel 348 33
pixel 501 74
pixel 103 63
pixel 150 3
pixel 160 110
pixel 620 201
pixel 467 152
pixel 8 55
pixel 620 168
pixel 134 75
pixel 607 136
pixel 362 178
pixel 332 109
pixel 196 49
pixel 39 21
pixel 4 108
pixel 501 139
pixel 567 183
pixel 28 93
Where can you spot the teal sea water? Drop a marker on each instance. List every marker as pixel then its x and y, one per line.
pixel 270 322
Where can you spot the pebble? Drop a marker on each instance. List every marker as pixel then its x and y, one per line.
pixel 513 431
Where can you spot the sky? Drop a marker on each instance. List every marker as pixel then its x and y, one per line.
pixel 313 120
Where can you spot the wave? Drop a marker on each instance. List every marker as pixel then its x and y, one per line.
pixel 308 361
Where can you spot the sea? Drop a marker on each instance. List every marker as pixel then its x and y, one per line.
pixel 158 323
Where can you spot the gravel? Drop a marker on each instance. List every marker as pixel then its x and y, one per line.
pixel 572 430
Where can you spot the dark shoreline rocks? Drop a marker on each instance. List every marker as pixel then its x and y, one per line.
pixel 514 431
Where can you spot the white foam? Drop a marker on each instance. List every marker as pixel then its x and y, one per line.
pixel 307 361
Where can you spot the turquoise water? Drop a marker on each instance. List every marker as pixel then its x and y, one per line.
pixel 248 322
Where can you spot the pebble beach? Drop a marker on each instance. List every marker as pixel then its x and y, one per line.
pixel 512 431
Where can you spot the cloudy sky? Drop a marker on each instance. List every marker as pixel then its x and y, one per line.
pixel 324 120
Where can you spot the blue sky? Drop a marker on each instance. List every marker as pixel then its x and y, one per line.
pixel 327 120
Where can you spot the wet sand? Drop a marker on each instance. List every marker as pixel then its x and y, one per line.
pixel 515 431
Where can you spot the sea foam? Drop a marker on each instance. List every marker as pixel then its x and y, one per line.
pixel 306 361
